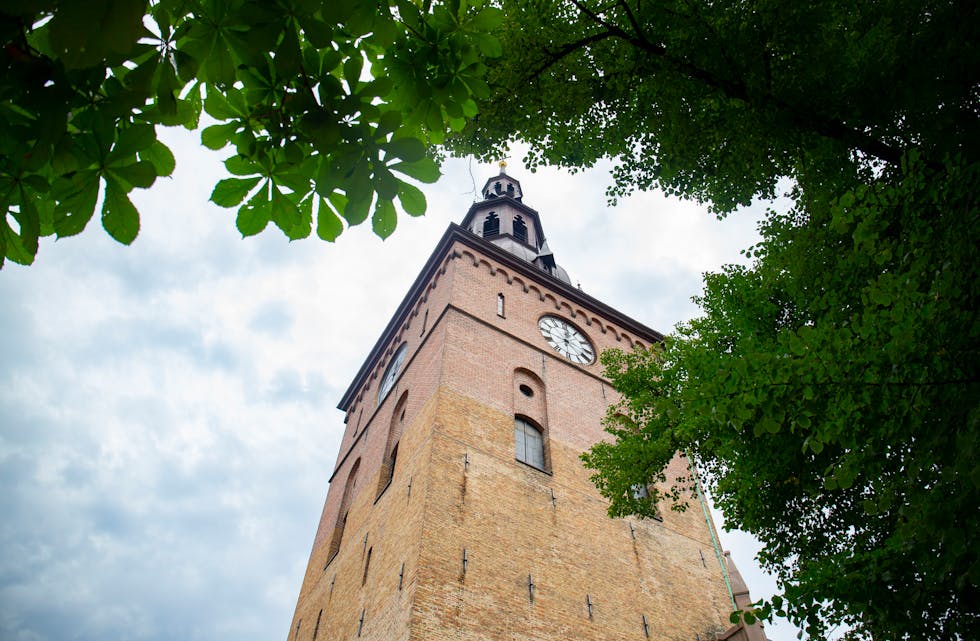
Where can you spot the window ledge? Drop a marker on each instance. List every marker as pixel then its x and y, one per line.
pixel 382 491
pixel 534 467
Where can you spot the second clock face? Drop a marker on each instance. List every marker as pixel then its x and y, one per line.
pixel 388 380
pixel 567 340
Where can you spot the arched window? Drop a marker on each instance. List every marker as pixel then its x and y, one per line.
pixel 345 501
pixel 395 428
pixel 528 444
pixel 491 225
pixel 520 229
pixel 391 463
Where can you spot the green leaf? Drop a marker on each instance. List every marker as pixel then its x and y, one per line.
pixel 305 225
pixel 489 46
pixel 425 170
pixel 386 184
pixel 318 32
pixel 217 136
pixel 241 166
pixel 30 223
pixel 254 215
pixel 168 86
pixel 37 183
pixel 84 33
pixel 389 122
pixel 766 425
pixel 140 174
pixel 488 19
pixel 359 186
pixel 410 150
pixel 160 156
pixel 328 224
pixel 187 66
pixel 469 108
pixel 286 214
pixel 322 128
pixel 13 247
pixel 219 67
pixel 119 216
pixel 76 203
pixel 287 60
pixel 356 211
pixel 352 70
pixel 133 139
pixel 384 219
pixel 232 191
pixel 189 109
pixel 217 106
pixel 411 198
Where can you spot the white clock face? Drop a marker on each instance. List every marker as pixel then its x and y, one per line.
pixel 566 340
pixel 388 380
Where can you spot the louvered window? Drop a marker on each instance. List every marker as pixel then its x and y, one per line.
pixel 520 229
pixel 491 226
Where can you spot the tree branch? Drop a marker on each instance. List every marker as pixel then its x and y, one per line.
pixel 817 123
pixel 570 48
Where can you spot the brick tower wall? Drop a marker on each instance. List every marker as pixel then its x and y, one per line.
pixel 468 493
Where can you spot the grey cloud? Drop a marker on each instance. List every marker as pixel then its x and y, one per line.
pixel 291 386
pixel 273 318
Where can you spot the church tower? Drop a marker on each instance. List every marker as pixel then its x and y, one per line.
pixel 458 508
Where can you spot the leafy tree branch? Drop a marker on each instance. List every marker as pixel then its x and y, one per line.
pixel 329 109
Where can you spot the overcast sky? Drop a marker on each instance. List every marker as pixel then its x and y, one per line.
pixel 167 410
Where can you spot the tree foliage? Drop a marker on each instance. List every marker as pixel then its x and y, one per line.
pixel 830 392
pixel 829 397
pixel 718 100
pixel 327 107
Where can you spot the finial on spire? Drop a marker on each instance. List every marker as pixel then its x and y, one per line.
pixel 503 167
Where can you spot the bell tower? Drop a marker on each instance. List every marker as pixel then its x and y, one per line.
pixel 458 507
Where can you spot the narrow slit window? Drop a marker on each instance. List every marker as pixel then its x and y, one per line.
pixel 316 628
pixel 500 305
pixel 367 566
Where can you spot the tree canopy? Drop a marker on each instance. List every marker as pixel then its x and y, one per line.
pixel 327 107
pixel 829 394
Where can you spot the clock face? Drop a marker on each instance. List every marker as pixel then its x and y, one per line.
pixel 567 340
pixel 388 380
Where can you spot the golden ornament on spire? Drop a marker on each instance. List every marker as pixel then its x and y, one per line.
pixel 503 166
